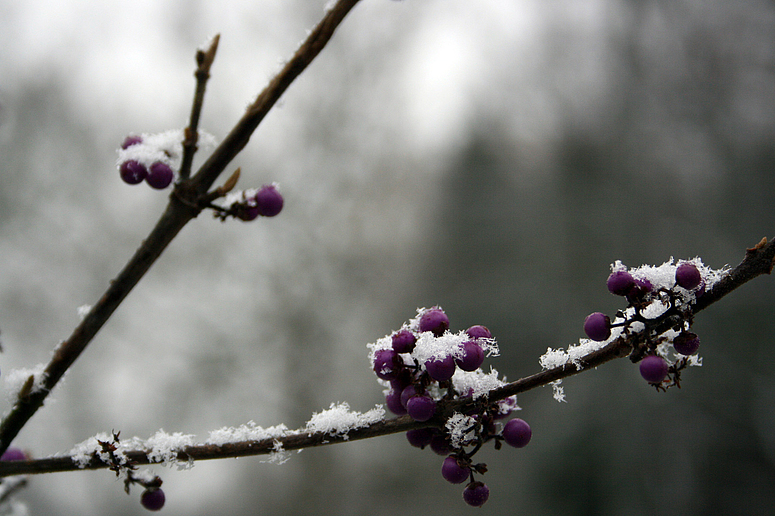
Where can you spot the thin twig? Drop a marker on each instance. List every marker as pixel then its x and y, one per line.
pixel 757 261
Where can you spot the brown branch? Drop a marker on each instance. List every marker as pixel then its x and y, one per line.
pixel 183 206
pixel 758 260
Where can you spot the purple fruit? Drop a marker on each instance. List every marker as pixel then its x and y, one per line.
pixel 517 433
pixel 453 472
pixel 393 402
pixel 387 364
pixel 152 499
pixel 407 393
pixel 421 408
pixel 687 276
pixel 442 369
pixel 269 201
pixel 12 454
pixel 479 332
pixel 473 356
pixel 476 494
pixel 597 326
pixel 132 172
pixel 159 176
pixel 687 343
pixel 620 282
pixel 420 437
pixel 249 212
pixel 131 140
pixel 435 321
pixel 403 341
pixel 653 369
pixel 440 444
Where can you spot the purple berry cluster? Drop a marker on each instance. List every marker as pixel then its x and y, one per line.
pixel 247 205
pixel 425 366
pixel 140 159
pixel 659 314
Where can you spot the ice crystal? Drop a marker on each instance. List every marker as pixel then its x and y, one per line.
pixel 338 420
pixel 460 429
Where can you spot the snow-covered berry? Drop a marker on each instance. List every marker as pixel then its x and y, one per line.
pixel 473 356
pixel 476 494
pixel 453 472
pixel 597 326
pixel 132 172
pixel 653 369
pixel 479 332
pixel 687 275
pixel 620 282
pixel 131 140
pixel 517 433
pixel 269 201
pixel 435 321
pixel 152 499
pixel 159 176
pixel 687 343
pixel 421 408
pixel 387 364
pixel 441 369
pixel 403 341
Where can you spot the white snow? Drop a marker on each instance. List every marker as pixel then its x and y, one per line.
pixel 338 419
pixel 460 429
pixel 246 432
pixel 15 380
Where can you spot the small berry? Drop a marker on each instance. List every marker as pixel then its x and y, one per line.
pixel 620 282
pixel 687 275
pixel 132 172
pixel 420 437
pixel 387 364
pixel 159 175
pixel 653 369
pixel 440 444
pixel 597 326
pixel 269 201
pixel 453 472
pixel 479 332
pixel 152 499
pixel 517 433
pixel 421 408
pixel 441 369
pixel 12 454
pixel 403 341
pixel 641 288
pixel 249 212
pixel 393 402
pixel 476 494
pixel 687 343
pixel 473 356
pixel 131 140
pixel 435 321
pixel 408 392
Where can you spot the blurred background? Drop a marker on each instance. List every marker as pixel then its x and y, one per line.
pixel 489 157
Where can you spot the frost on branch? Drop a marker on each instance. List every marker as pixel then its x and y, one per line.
pixel 339 419
pixel 21 382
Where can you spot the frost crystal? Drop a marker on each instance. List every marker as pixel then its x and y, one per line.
pixel 278 455
pixel 339 419
pixel 164 447
pixel 460 429
pixel 82 311
pixel 477 383
pixel 247 432
pixel 558 391
pixel 16 380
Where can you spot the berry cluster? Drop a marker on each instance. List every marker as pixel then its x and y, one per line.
pixel 659 315
pixel 423 365
pixel 246 205
pixel 148 158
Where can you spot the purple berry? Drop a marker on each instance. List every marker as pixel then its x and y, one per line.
pixel 620 282
pixel 152 499
pixel 641 288
pixel 440 444
pixel 12 454
pixel 408 392
pixel 517 433
pixel 387 364
pixel 687 276
pixel 653 369
pixel 269 201
pixel 421 408
pixel 597 326
pixel 453 472
pixel 403 341
pixel 473 356
pixel 131 140
pixel 420 437
pixel 393 402
pixel 687 343
pixel 479 332
pixel 441 369
pixel 132 172
pixel 435 321
pixel 249 212
pixel 476 494
pixel 159 175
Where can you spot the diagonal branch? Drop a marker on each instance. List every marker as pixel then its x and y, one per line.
pixel 758 260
